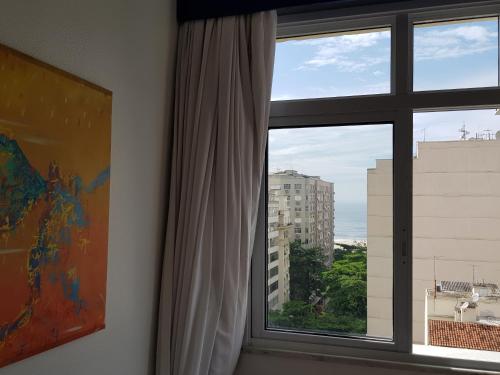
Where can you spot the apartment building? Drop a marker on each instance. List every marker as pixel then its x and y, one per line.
pixel 310 201
pixel 280 231
pixel 456 216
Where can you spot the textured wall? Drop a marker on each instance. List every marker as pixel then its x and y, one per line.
pixel 129 48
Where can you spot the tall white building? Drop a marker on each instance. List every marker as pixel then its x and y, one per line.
pixel 280 231
pixel 300 207
pixel 311 204
pixel 456 221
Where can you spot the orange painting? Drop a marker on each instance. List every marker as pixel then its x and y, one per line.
pixel 55 136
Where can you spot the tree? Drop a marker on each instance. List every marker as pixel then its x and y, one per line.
pixel 346 285
pixel 343 248
pixel 302 316
pixel 306 268
pixel 295 314
pixel 343 285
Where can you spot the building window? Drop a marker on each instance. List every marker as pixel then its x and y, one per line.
pixel 379 102
pixel 273 257
pixel 273 287
pixel 273 272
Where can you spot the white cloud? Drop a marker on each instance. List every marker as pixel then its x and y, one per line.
pixel 346 51
pixel 436 43
pixel 340 155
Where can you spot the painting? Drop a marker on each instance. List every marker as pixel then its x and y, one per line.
pixel 55 136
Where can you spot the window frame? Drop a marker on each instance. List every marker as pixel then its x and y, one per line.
pixel 398 108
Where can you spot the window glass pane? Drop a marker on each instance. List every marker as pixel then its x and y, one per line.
pixel 331 280
pixel 456 236
pixel 340 64
pixel 456 54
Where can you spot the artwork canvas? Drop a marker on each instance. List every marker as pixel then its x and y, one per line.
pixel 55 136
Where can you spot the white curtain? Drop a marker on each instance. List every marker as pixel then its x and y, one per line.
pixel 223 88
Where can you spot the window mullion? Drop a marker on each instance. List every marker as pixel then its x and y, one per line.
pixel 402 306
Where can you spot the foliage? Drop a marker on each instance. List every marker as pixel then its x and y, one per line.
pixel 302 316
pixel 346 284
pixel 306 268
pixel 343 249
pixel 342 287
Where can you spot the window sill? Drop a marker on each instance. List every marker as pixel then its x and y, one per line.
pixel 457 353
pixel 420 361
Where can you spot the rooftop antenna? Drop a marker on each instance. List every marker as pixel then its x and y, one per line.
pixel 423 131
pixel 464 132
pixel 435 284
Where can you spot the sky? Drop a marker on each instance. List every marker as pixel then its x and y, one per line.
pixel 448 55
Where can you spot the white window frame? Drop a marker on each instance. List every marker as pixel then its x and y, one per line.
pixel 398 108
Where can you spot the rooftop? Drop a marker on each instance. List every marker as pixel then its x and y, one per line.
pixel 464 335
pixel 291 172
pixel 465 288
pixel 454 286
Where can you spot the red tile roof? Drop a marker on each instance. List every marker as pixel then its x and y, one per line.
pixel 464 335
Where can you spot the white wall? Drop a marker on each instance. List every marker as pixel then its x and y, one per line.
pixel 129 48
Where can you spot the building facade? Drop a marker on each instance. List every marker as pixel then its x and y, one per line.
pixel 311 204
pixel 280 231
pixel 456 216
pixel 300 207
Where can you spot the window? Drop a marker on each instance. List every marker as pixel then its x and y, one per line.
pixel 298 186
pixel 456 181
pixel 286 186
pixel 394 133
pixel 273 257
pixel 316 284
pixel 333 64
pixel 273 272
pixel 456 54
pixel 273 287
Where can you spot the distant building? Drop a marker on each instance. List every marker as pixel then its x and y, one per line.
pixel 300 207
pixel 456 221
pixel 311 204
pixel 463 315
pixel 280 231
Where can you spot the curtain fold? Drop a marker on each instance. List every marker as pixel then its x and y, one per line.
pixel 222 99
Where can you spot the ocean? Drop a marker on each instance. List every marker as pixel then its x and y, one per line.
pixel 350 221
